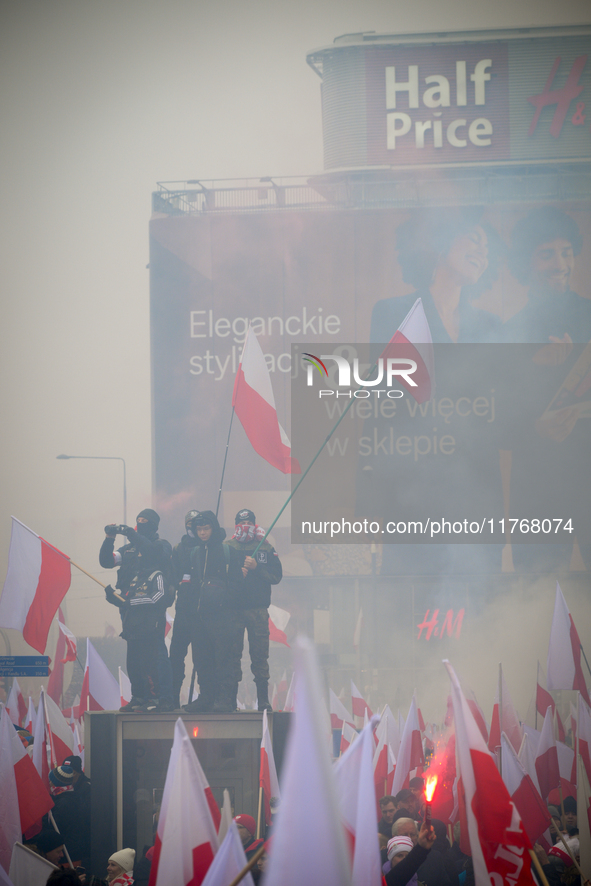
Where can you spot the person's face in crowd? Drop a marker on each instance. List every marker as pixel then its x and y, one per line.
pixel 414 803
pixel 555 826
pixel 245 834
pixel 551 266
pixel 570 819
pixel 113 870
pixel 55 856
pixel 398 857
pixel 262 862
pixel 388 812
pixel 409 829
pixel 204 534
pixel 142 520
pixel 468 256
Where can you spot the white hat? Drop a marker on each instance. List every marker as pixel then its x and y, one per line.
pixel 397 845
pixel 124 858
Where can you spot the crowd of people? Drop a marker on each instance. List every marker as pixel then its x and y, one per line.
pixel 222 589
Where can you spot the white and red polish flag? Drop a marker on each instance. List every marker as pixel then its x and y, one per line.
pixel 390 723
pixel 413 340
pixel 348 735
pixel 532 809
pixel 186 838
pixel 15 704
pixel 477 714
pixel 290 697
pixel 384 761
pixel 34 800
pixel 31 717
pixel 61 737
pixel 309 839
pixel 564 651
pixel 410 752
pixel 254 404
pixel 37 580
pixel 40 756
pixel 584 814
pixel 268 773
pixel 544 701
pixel 584 734
pixel 10 826
pixel 527 758
pixel 338 712
pixel 357 801
pixel 229 861
pixel 278 619
pixel 70 640
pixel 498 841
pixel 100 690
pixel 358 704
pixel 124 688
pixel 505 719
pixel 547 768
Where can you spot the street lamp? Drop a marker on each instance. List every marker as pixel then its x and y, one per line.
pixel 108 458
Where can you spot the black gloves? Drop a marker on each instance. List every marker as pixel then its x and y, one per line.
pixel 112 597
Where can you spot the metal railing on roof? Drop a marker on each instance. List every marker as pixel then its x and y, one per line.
pixel 375 189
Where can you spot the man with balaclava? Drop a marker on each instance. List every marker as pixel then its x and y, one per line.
pixel 142 596
pixel 216 577
pixel 261 570
pixel 187 602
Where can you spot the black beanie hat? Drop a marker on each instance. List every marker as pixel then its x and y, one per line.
pixel 151 516
pixel 245 516
pixel 48 840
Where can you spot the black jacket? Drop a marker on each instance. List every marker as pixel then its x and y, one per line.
pixel 142 552
pixel 255 592
pixel 143 605
pixel 216 571
pixel 181 569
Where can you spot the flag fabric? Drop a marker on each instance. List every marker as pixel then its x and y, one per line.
pixel 543 698
pixel 357 801
pixel 225 816
pixel 498 842
pixel 55 684
pixel 390 723
pixel 268 774
pixel 282 688
pixel 357 631
pixel 34 800
pixel 70 640
pixel 10 825
pixel 338 712
pixel 527 758
pixel 61 738
pixel 186 838
pixel 384 761
pixel 278 619
pixel 124 688
pixel 15 704
pixel 100 690
pixel 309 839
pixel 530 805
pixel 564 651
pixel 410 752
pixel 547 768
pixel 584 815
pixel 37 580
pixel 29 869
pixel 290 697
pixel 584 734
pixel 40 741
pixel 413 340
pixel 505 719
pixel 31 717
pixel 254 404
pixel 229 861
pixel 348 735
pixel 358 704
pixel 477 714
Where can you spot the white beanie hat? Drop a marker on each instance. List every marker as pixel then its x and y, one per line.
pixel 124 858
pixel 397 845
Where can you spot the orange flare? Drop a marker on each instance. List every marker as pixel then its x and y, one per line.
pixel 430 786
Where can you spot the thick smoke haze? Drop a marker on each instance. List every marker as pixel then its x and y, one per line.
pixel 100 100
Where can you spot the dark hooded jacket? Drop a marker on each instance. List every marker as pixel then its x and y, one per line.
pixel 142 552
pixel 181 570
pixel 216 574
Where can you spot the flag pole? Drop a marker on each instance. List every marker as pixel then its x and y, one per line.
pixel 538 867
pixel 259 824
pixel 248 867
pixel 217 507
pixel 97 581
pixel 303 477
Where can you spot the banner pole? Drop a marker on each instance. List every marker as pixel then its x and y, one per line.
pixel 217 507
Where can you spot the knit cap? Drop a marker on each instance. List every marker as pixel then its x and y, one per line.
pixel 248 822
pixel 397 845
pixel 124 858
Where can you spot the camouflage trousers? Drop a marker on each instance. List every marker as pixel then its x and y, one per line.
pixel 256 623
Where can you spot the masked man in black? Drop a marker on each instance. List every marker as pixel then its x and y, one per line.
pixel 187 602
pixel 216 579
pixel 142 595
